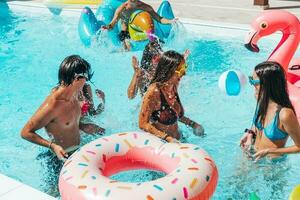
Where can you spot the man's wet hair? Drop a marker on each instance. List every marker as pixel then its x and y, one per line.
pixel 71 66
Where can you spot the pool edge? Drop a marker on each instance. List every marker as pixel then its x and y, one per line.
pixel 13 189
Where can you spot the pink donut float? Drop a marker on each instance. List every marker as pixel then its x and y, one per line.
pixel 190 172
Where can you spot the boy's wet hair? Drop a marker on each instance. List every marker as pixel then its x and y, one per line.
pixel 71 66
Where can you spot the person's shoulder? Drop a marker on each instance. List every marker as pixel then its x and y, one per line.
pixel 152 91
pixel 286 114
pixel 144 5
pixel 54 100
pixel 153 88
pixel 123 5
pixel 120 8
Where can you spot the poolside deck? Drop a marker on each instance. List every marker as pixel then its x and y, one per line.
pixel 12 189
pixel 225 11
pixel 228 11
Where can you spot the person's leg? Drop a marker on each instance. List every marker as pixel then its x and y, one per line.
pixel 263 3
pixel 124 37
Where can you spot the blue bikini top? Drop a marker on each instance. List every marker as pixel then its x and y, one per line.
pixel 271 131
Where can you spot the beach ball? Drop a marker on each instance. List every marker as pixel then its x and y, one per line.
pixel 140 25
pixel 231 82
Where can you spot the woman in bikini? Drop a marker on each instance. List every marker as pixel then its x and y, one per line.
pixel 161 108
pixel 275 119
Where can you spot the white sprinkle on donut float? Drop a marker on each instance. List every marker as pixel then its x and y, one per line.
pixel 190 172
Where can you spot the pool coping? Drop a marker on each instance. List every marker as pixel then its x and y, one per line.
pixel 13 189
pixel 69 11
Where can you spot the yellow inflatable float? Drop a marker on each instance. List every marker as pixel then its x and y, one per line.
pixel 295 195
pixel 140 24
pixel 73 2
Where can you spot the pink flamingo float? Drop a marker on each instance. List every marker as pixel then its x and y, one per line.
pixel 268 23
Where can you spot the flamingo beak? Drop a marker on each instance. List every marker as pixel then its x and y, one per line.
pixel 251 41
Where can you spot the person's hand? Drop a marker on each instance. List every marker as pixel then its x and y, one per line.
pixel 186 54
pixel 262 153
pixel 100 130
pixel 246 141
pixel 59 151
pixel 172 140
pixel 106 27
pixel 174 21
pixel 100 94
pixel 198 129
pixel 135 65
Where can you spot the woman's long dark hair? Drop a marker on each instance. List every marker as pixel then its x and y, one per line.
pixel 167 66
pixel 152 49
pixel 273 87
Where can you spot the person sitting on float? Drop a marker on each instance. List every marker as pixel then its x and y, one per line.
pixel 161 108
pixel 124 13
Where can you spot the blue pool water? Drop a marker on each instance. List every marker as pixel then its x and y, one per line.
pixel 32 47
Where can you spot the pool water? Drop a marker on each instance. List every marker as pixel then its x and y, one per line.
pixel 137 176
pixel 33 46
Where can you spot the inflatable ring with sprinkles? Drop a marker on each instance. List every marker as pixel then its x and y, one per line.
pixel 190 172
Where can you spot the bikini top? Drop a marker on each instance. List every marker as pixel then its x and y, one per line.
pixel 166 114
pixel 272 131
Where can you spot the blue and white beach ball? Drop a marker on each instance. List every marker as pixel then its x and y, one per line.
pixel 231 82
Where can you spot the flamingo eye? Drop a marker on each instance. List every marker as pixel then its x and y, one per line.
pixel 264 25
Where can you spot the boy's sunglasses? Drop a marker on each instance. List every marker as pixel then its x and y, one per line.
pixel 252 81
pixel 84 75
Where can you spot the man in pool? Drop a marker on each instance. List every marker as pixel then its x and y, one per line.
pixel 124 13
pixel 60 113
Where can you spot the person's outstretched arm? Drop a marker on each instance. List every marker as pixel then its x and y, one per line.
pixel 133 86
pixel 197 128
pixel 115 18
pixel 91 128
pixel 156 16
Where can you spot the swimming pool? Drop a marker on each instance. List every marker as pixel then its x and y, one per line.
pixel 32 47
